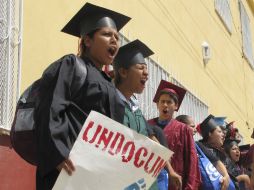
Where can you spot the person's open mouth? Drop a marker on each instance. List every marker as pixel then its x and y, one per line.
pixel 112 51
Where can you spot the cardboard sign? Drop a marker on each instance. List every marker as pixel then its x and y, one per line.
pixel 109 155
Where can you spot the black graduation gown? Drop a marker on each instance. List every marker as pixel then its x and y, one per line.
pixel 58 117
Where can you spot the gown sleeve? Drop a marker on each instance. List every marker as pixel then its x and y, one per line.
pixel 58 127
pixel 191 167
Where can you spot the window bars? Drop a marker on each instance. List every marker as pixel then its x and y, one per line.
pixel 10 57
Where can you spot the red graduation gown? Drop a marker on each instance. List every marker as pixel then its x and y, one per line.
pixel 246 158
pixel 184 160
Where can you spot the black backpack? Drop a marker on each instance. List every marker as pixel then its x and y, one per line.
pixel 22 135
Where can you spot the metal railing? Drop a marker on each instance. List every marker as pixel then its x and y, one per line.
pixel 10 59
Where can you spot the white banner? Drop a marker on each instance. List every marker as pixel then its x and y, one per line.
pixel 107 155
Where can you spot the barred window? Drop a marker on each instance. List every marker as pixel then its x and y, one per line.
pixel 10 45
pixel 246 35
pixel 222 8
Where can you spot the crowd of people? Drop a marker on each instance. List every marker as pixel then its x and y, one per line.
pixel 113 96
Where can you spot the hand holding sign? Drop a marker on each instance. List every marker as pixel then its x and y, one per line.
pixel 67 165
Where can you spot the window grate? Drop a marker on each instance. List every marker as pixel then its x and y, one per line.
pixel 222 7
pixel 10 14
pixel 246 35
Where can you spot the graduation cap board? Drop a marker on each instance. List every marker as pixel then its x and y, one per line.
pixel 231 141
pixel 220 121
pixel 244 148
pixel 91 17
pixel 169 87
pixel 132 53
pixel 208 125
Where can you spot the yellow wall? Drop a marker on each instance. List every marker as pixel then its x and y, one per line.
pixel 175 30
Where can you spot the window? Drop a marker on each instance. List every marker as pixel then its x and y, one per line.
pixel 10 24
pixel 246 35
pixel 222 8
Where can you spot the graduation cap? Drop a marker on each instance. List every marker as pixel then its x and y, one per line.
pixel 232 141
pixel 169 87
pixel 91 17
pixel 208 125
pixel 132 53
pixel 231 131
pixel 220 121
pixel 230 124
pixel 244 148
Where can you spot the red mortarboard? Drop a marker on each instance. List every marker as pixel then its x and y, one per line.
pixel 171 88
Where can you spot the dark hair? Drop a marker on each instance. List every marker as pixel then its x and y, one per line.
pixel 172 95
pixel 206 135
pixel 82 45
pixel 228 145
pixel 117 77
pixel 183 118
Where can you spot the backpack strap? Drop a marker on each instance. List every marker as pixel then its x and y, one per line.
pixel 80 76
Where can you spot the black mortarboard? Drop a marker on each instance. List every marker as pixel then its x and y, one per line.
pixel 91 17
pixel 231 141
pixel 208 125
pixel 132 53
pixel 170 88
pixel 244 148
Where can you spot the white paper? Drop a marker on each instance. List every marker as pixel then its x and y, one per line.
pixel 135 166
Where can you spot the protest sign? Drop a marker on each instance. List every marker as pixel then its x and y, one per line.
pixel 109 155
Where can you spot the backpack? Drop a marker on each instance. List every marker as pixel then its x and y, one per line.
pixel 22 134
